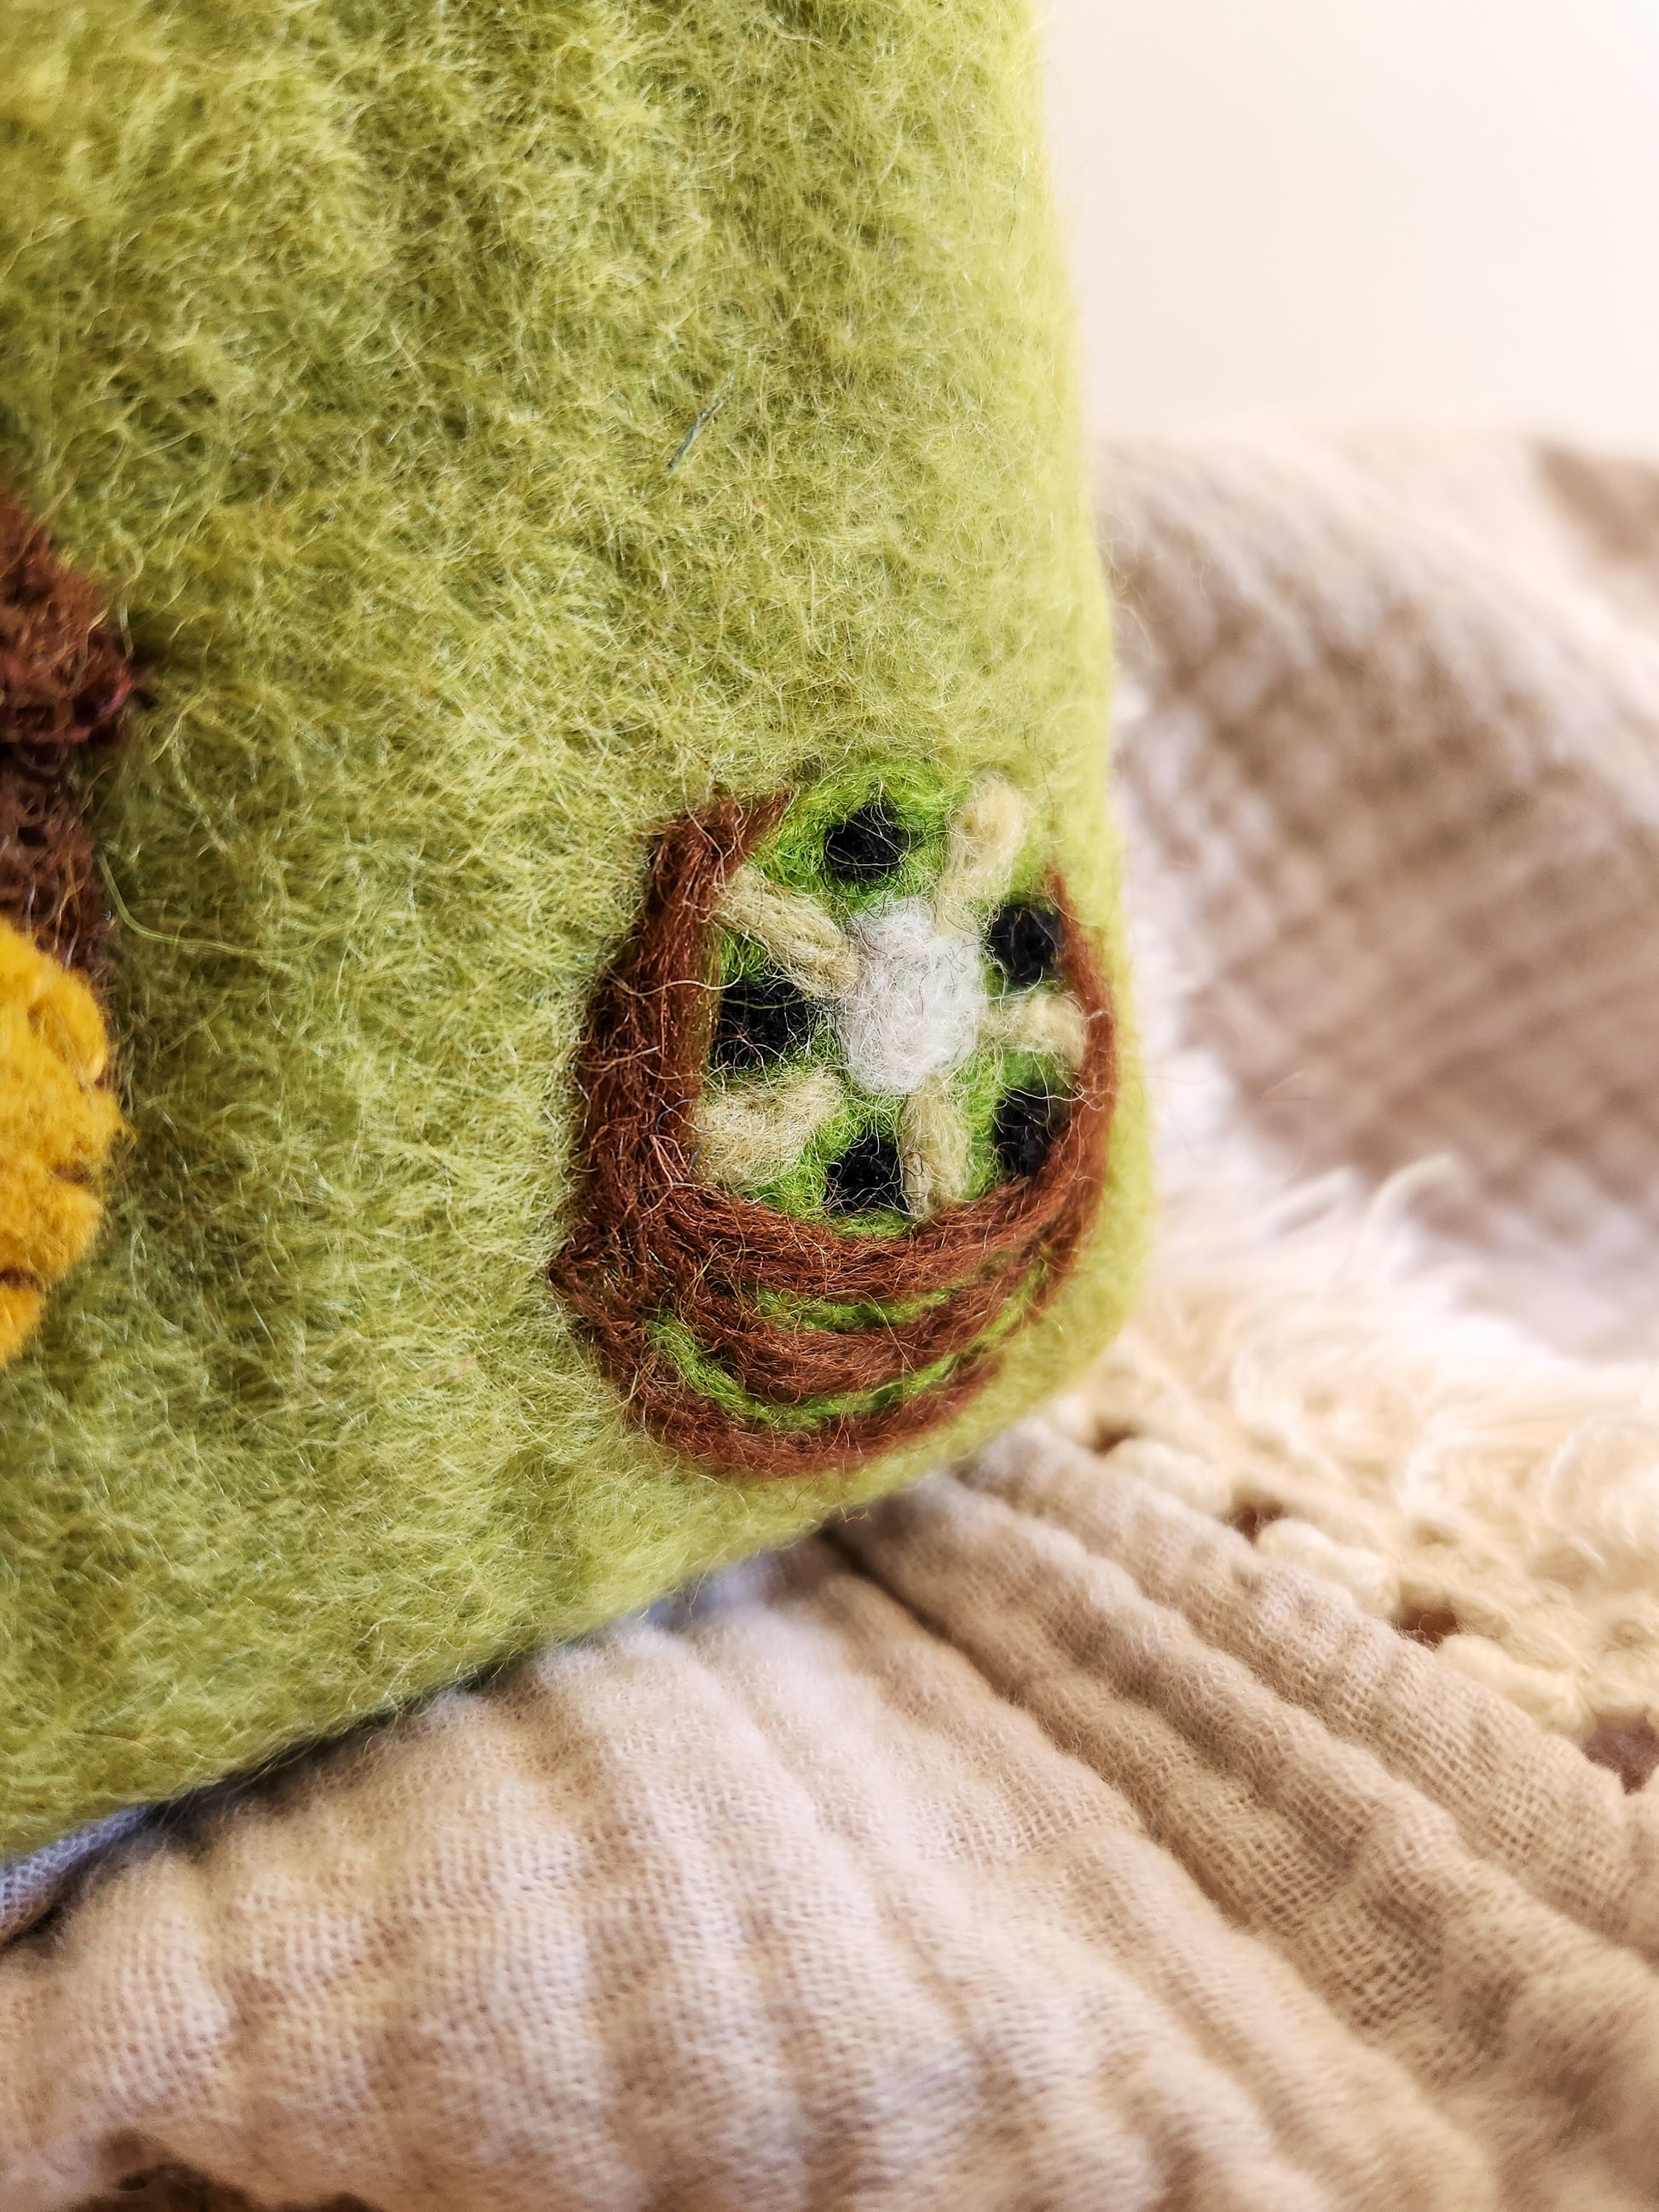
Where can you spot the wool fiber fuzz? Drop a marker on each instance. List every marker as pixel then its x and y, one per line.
pixel 501 431
pixel 918 1004
pixel 750 1135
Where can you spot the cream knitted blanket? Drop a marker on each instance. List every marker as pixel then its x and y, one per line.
pixel 1157 1811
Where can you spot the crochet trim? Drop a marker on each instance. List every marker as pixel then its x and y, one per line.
pixel 705 1306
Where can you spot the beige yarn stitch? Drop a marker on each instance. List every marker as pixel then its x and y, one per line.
pixel 748 1134
pixel 1036 1021
pixel 934 1149
pixel 987 834
pixel 805 940
pixel 905 991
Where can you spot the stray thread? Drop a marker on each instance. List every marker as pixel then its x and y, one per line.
pixel 697 430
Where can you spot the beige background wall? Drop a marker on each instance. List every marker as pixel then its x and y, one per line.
pixel 1432 209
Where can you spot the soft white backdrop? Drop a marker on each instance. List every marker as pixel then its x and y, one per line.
pixel 1435 210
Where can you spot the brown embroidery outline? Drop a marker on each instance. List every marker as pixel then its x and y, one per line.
pixel 65 683
pixel 652 1239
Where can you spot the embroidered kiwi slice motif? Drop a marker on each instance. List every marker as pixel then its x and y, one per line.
pixel 847 1093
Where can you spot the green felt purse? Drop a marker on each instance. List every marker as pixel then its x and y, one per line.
pixel 613 981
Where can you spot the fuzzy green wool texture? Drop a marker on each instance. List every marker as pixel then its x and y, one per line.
pixel 501 425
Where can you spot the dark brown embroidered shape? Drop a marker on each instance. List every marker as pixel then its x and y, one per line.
pixel 653 1242
pixel 65 683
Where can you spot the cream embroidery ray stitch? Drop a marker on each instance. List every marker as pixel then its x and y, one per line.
pixel 905 993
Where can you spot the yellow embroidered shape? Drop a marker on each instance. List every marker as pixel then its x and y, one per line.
pixel 58 1124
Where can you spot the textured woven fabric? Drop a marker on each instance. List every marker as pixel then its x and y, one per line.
pixel 1391 758
pixel 29 1886
pixel 1396 775
pixel 1031 1842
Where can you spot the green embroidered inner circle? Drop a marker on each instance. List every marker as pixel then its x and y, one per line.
pixel 921 802
pixel 694 1363
pixel 872 1047
pixel 922 808
pixel 985 1081
pixel 983 1084
pixel 802 1191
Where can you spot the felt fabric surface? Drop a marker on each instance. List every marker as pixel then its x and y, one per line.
pixel 499 432
pixel 1119 1819
pixel 1391 763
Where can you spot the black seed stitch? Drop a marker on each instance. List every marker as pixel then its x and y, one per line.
pixel 761 1019
pixel 1024 942
pixel 869 845
pixel 1027 1122
pixel 866 1177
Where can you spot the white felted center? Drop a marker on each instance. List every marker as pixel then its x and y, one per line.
pixel 916 1009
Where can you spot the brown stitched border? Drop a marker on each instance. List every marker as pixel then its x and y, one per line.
pixel 652 1239
pixel 65 682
